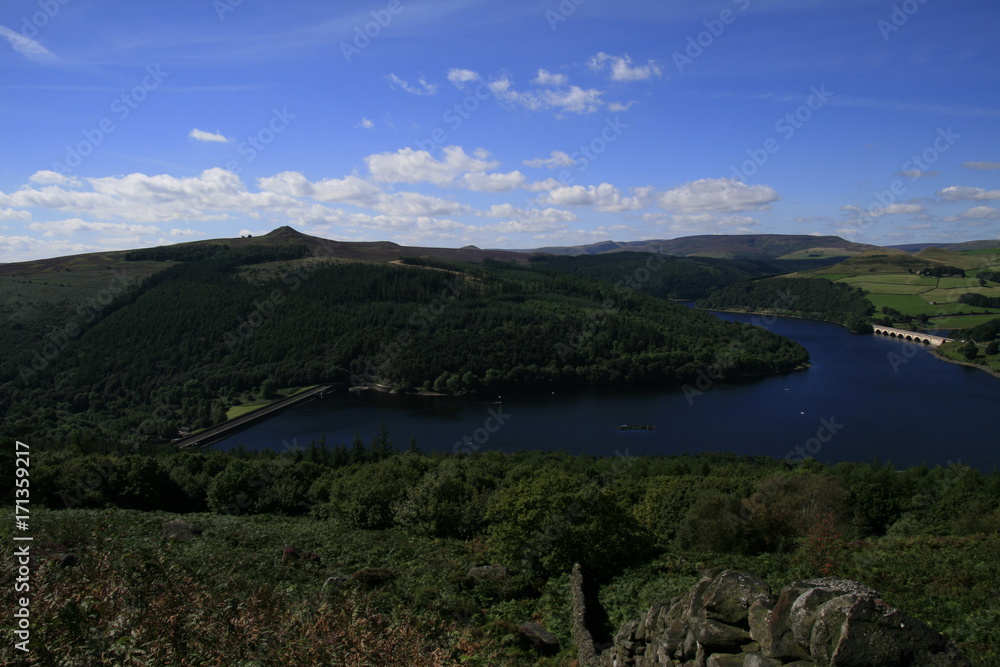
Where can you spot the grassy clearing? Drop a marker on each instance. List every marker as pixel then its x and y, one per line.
pixel 888 288
pixel 953 351
pixel 890 279
pixel 251 405
pixel 960 322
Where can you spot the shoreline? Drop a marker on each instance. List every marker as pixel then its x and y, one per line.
pixel 969 364
pixel 934 352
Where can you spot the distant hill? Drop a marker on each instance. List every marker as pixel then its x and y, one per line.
pixel 956 247
pixel 891 260
pixel 726 246
pixel 374 251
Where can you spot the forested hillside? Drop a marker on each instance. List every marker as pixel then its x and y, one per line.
pixel 669 277
pixel 174 350
pixel 802 297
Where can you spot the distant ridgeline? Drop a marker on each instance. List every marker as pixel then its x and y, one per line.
pixel 671 277
pixel 801 297
pixel 191 339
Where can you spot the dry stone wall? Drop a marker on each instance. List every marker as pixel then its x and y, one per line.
pixel 733 620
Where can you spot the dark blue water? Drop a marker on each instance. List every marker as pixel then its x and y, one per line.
pixel 863 397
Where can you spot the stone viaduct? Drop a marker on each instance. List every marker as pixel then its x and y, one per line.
pixel 915 336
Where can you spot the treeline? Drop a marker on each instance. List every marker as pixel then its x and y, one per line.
pixel 187 343
pixel 992 276
pixel 803 297
pixel 984 333
pixel 943 272
pixel 669 277
pixel 176 253
pixel 540 512
pixel 980 300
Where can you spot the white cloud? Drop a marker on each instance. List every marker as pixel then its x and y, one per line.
pixel 495 182
pixel 423 88
pixel 703 223
pixel 530 220
pixel 977 213
pixel 960 193
pixel 605 197
pixel 350 189
pixel 621 67
pixel 719 195
pixel 186 232
pixel 987 166
pixel 11 214
pixel 409 166
pixel 856 212
pixel 211 137
pixel 142 198
pixel 547 78
pixel 914 174
pixel 366 123
pixel 46 177
pixel 75 225
pixel 555 160
pixel 618 107
pixel 459 77
pixel 28 48
pixel 571 100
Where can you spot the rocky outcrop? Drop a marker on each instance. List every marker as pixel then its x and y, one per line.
pixel 733 620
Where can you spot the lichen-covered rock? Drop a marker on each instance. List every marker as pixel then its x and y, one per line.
pixel 803 611
pixel 180 530
pixel 856 630
pixel 717 636
pixel 725 660
pixel 758 659
pixel 732 620
pixel 730 595
pixel 539 638
pixel 775 634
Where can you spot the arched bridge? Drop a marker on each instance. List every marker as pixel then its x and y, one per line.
pixel 915 336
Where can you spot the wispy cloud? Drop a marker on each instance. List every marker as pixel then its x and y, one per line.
pixel 985 166
pixel 210 137
pixel 28 48
pixel 422 87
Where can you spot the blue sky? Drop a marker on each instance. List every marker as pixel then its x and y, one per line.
pixel 507 124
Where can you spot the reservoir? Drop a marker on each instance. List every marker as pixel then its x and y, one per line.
pixel 864 397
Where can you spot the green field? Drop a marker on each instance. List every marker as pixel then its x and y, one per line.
pixel 961 322
pixel 913 294
pixel 890 279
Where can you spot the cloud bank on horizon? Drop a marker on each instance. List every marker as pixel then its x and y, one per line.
pixel 505 125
